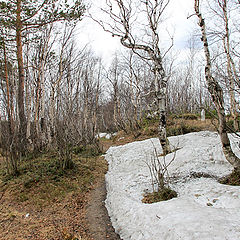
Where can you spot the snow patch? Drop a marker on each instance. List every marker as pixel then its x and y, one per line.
pixel 204 209
pixel 106 135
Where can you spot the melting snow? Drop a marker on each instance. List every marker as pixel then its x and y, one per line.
pixel 204 208
pixel 106 135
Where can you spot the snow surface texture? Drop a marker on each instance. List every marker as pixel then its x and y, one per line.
pixel 204 208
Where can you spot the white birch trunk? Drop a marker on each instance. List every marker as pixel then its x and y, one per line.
pixel 217 96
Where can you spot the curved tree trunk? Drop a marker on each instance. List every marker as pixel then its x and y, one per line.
pixel 217 96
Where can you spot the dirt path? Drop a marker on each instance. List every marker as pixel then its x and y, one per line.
pixel 100 226
pixel 98 221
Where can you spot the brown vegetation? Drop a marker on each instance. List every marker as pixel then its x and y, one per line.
pixel 163 195
pixel 45 202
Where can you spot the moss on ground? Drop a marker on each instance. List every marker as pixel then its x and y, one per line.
pixel 42 180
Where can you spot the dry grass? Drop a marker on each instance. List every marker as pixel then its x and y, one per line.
pixel 174 127
pixel 45 202
pixel 162 195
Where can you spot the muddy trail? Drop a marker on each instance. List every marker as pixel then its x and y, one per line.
pixel 100 227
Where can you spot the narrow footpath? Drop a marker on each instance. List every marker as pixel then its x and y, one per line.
pixel 98 221
pixel 100 227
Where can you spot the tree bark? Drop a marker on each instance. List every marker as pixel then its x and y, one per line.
pixel 9 112
pixel 161 96
pixel 230 68
pixel 217 95
pixel 21 108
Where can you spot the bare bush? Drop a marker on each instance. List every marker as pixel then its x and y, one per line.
pixel 158 168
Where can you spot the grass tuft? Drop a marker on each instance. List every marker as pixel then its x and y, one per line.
pixel 162 195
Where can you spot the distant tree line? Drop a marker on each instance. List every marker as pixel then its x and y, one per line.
pixel 57 96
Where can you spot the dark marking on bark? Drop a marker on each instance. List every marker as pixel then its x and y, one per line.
pixel 163 120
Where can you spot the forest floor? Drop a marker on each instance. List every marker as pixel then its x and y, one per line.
pixel 44 204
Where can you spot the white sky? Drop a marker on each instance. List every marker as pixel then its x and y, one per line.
pixel 105 45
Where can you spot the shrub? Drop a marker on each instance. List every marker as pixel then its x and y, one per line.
pixel 78 149
pixel 29 181
pixel 149 121
pixel 90 150
pixel 158 168
pixel 150 130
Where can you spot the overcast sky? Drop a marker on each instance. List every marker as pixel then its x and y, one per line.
pixel 105 45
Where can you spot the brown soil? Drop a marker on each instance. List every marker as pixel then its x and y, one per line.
pixel 232 179
pixel 100 227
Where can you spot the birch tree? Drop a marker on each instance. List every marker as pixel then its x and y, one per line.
pixel 23 17
pixel 224 31
pixel 123 14
pixel 231 67
pixel 216 92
